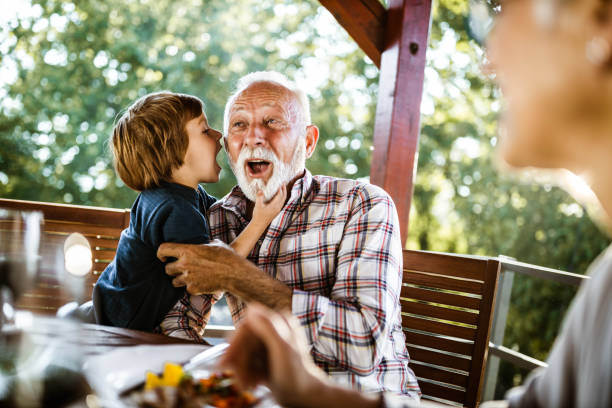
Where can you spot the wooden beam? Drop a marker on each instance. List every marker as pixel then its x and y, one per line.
pixel 396 131
pixel 364 20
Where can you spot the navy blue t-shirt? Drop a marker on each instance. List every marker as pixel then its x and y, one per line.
pixel 134 290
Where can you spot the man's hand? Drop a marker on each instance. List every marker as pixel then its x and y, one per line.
pixel 201 268
pixel 215 267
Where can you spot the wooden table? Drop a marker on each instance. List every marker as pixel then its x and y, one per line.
pixel 69 343
pixel 90 338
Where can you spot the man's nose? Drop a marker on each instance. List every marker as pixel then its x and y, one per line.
pixel 255 137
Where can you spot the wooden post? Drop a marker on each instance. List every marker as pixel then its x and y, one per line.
pixel 396 132
pixel 364 20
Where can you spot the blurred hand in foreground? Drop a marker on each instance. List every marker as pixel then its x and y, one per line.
pixel 270 348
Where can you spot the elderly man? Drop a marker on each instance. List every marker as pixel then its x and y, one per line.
pixel 333 255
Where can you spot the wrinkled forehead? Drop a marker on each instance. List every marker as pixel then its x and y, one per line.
pixel 265 95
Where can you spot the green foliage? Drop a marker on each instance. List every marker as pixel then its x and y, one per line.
pixel 79 65
pixel 463 204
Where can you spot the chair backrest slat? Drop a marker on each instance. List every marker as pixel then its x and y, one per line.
pixel 446 282
pixel 101 226
pixel 446 302
pixel 451 345
pixel 450 299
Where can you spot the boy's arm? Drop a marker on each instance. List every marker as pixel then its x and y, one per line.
pixel 263 214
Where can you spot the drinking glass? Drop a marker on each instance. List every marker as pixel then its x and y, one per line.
pixel 20 237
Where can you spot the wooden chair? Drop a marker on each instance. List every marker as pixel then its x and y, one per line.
pixel 447 302
pixel 102 228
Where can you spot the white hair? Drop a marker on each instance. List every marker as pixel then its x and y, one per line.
pixel 274 78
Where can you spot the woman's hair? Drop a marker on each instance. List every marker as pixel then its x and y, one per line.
pixel 150 140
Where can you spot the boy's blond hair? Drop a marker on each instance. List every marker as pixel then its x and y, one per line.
pixel 150 139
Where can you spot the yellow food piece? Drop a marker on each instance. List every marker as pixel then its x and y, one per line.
pixel 172 375
pixel 152 381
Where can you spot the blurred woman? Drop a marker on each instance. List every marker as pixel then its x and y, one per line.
pixel 553 62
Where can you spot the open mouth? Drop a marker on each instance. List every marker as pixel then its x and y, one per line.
pixel 217 154
pixel 258 168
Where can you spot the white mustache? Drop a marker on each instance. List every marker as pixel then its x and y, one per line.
pixel 282 172
pixel 257 153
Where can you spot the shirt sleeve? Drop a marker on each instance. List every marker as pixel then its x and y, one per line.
pixel 189 316
pixel 207 199
pixel 350 328
pixel 579 371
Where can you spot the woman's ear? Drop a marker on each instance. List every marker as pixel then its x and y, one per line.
pixel 598 49
pixel 312 137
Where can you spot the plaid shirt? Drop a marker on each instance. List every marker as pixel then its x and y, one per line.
pixel 337 245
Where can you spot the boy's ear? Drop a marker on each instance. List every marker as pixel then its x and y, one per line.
pixel 312 137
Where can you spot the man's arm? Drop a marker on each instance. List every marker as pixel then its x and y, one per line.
pixel 350 328
pixel 216 267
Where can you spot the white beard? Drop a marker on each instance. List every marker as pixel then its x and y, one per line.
pixel 282 173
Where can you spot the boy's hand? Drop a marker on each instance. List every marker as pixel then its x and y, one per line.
pixel 265 212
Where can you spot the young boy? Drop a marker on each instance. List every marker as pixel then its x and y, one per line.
pixel 163 147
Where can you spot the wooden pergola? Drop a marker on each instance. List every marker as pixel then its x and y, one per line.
pixel 395 39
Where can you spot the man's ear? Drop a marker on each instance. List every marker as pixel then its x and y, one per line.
pixel 225 144
pixel 312 137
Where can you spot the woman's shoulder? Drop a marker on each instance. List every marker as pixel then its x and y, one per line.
pixel 600 271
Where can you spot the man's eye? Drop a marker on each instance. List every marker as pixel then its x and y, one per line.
pixel 238 124
pixel 273 122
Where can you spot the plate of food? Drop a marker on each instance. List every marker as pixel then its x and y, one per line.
pixel 176 388
pixel 168 377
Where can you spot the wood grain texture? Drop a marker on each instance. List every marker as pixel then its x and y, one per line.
pixel 444 336
pixel 440 312
pixel 456 266
pixel 364 21
pixel 90 338
pixel 100 226
pixel 444 282
pixel 438 342
pixel 398 112
pixel 484 327
pixel 437 374
pixel 445 298
pixel 442 392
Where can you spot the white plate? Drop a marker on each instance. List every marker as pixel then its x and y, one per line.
pixel 110 374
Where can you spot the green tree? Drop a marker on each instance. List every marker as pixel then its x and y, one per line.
pixel 462 203
pixel 78 65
